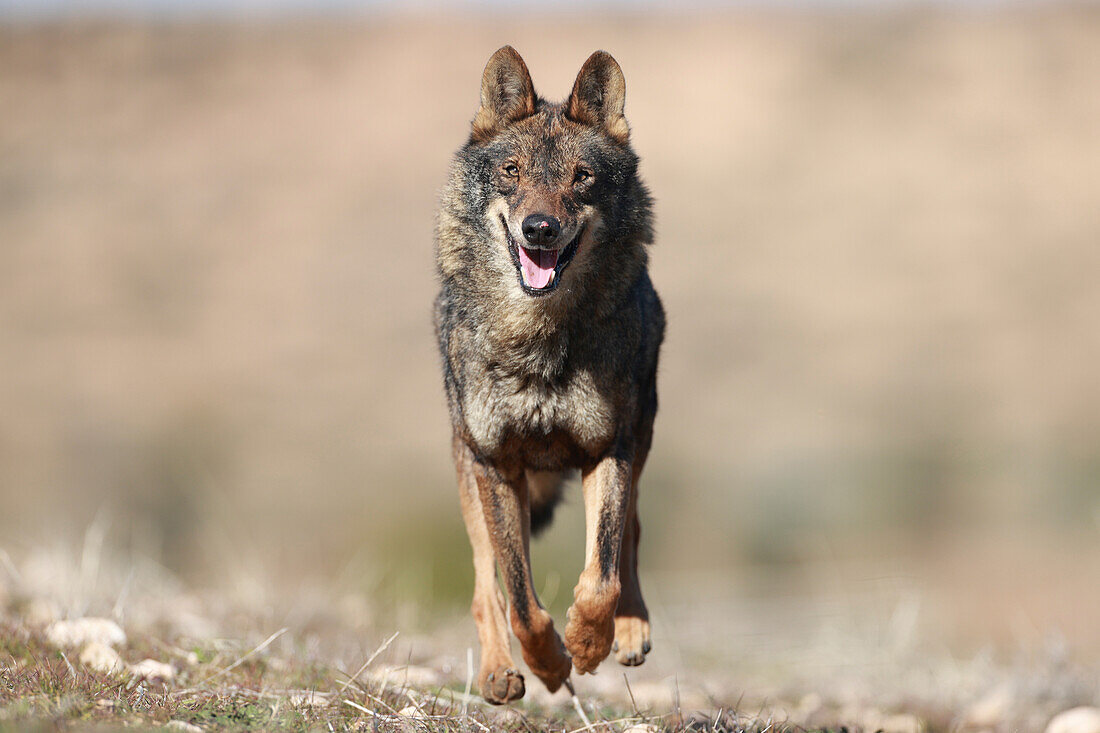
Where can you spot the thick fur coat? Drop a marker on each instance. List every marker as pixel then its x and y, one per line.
pixel 549 331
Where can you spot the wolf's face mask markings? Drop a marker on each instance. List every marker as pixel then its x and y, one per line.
pixel 550 168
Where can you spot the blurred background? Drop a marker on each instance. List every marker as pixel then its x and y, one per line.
pixel 878 230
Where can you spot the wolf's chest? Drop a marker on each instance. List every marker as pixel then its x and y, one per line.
pixel 520 414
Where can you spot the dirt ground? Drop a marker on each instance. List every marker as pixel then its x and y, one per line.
pixel 85 642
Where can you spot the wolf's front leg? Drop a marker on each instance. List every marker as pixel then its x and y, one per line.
pixel 504 505
pixel 591 628
pixel 498 678
pixel 631 617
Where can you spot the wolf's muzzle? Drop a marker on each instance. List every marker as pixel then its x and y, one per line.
pixel 540 229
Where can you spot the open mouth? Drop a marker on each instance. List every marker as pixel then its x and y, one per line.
pixel 540 269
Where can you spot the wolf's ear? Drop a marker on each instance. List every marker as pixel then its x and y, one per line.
pixel 599 95
pixel 507 93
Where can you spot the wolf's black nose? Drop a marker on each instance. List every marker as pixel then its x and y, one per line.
pixel 541 229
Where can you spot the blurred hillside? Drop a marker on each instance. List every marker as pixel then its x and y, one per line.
pixel 877 244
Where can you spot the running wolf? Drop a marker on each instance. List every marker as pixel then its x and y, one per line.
pixel 549 330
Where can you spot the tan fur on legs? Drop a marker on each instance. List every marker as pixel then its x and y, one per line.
pixel 499 680
pixel 505 507
pixel 631 617
pixel 591 630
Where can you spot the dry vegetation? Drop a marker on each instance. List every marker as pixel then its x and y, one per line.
pixel 93 641
pixel 160 671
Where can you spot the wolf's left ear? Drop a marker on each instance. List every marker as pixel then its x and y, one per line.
pixel 507 93
pixel 599 95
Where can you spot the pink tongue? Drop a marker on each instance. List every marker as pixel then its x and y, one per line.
pixel 537 266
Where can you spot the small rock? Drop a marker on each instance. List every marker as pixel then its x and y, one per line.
pixel 151 670
pixel 1077 720
pixel 989 711
pixel 509 718
pixel 182 726
pixel 81 631
pixel 410 711
pixel 309 698
pixel 902 723
pixel 808 706
pixel 101 658
pixel 897 723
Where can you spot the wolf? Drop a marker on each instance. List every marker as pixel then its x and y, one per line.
pixel 549 331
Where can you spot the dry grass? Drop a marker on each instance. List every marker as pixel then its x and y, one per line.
pixel 257 659
pixel 42 687
pixel 262 657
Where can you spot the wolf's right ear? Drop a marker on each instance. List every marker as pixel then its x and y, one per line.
pixel 507 93
pixel 599 95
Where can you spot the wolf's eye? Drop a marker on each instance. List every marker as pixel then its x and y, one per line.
pixel 510 169
pixel 582 176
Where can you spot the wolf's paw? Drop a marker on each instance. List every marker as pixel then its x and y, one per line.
pixel 588 637
pixel 548 661
pixel 501 685
pixel 631 640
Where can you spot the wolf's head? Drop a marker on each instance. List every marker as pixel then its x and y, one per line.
pixel 544 186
